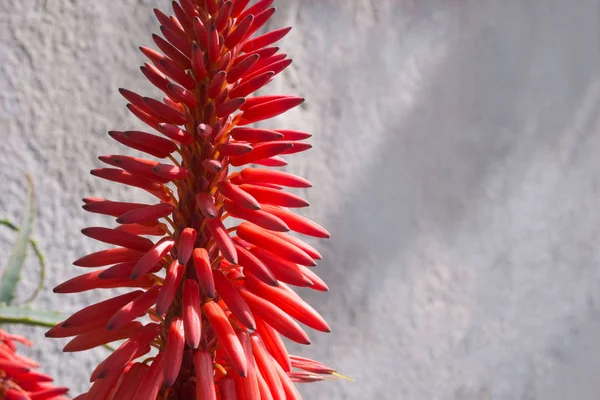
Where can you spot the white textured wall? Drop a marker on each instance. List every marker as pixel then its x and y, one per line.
pixel 456 163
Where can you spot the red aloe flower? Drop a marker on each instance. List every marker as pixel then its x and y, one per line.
pixel 18 379
pixel 222 304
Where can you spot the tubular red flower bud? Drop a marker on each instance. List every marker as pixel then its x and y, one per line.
pixel 147 214
pixel 259 217
pixel 151 258
pixel 233 300
pixel 261 152
pixel 107 207
pixel 284 270
pixel 266 367
pixel 226 335
pixel 227 389
pixel 205 386
pixel 191 310
pixel 170 287
pixel 100 311
pixel 276 197
pixel 266 39
pixel 118 238
pixel 174 351
pixel 238 195
pixel 186 245
pixel 296 222
pixel 222 239
pixel 135 308
pixel 107 257
pixel 289 302
pixel 255 266
pixel 251 380
pixel 99 337
pixel 263 239
pixel 275 317
pixel 204 272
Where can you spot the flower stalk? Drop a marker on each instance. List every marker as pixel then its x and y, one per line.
pixel 212 260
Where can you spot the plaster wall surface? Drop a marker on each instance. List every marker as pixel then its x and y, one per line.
pixel 455 163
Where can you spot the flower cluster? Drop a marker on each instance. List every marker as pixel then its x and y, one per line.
pixel 18 379
pixel 216 280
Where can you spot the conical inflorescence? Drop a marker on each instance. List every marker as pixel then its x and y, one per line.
pixel 217 291
pixel 18 378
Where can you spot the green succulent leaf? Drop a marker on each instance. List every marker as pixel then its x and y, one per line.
pixel 12 272
pixel 40 257
pixel 29 316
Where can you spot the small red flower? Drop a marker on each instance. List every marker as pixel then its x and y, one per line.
pixel 18 379
pixel 218 291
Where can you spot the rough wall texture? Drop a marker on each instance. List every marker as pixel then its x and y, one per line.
pixel 455 163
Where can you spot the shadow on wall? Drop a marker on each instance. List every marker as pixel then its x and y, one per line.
pixel 454 127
